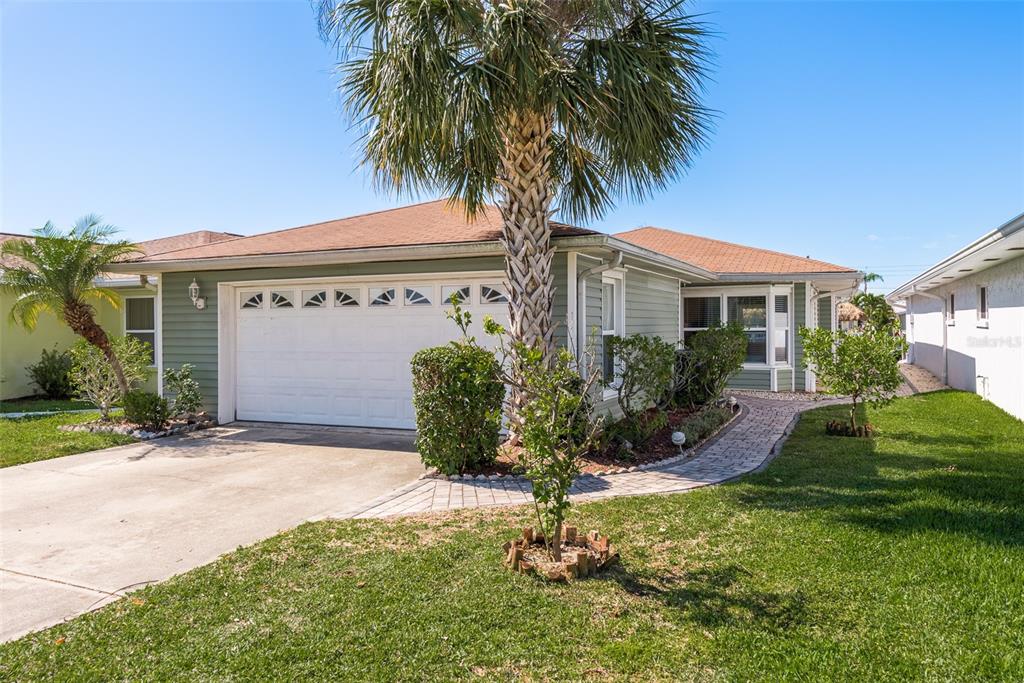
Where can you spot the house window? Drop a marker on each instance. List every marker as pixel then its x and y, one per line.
pixel 281 300
pixel 751 312
pixel 140 321
pixel 611 323
pixel 492 294
pixel 780 334
pixel 460 292
pixel 314 298
pixel 982 303
pixel 382 296
pixel 346 297
pixel 951 311
pixel 700 313
pixel 418 296
pixel 252 300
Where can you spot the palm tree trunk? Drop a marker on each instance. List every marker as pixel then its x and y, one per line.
pixel 79 317
pixel 526 237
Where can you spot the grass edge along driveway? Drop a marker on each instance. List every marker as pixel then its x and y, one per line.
pixel 896 558
pixel 31 439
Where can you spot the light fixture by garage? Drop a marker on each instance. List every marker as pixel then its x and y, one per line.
pixel 193 293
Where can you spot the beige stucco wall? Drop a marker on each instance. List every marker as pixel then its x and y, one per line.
pixel 19 348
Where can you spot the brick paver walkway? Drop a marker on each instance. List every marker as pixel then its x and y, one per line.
pixel 747 444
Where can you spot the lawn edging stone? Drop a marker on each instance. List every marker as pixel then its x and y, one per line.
pixel 137 432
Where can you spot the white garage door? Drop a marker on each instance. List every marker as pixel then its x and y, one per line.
pixel 338 354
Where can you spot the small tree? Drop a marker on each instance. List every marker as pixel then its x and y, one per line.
pixel 647 366
pixel 94 377
pixel 556 426
pixel 711 357
pixel 188 400
pixel 862 364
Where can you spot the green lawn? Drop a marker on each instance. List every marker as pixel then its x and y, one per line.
pixel 31 405
pixel 896 559
pixel 28 439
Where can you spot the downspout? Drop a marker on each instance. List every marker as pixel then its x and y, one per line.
pixel 945 330
pixel 581 298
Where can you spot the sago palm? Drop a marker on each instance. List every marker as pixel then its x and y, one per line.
pixel 56 272
pixel 530 103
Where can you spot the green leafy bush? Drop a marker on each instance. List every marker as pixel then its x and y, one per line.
pixel 188 400
pixel 702 424
pixel 862 364
pixel 94 379
pixel 146 409
pixel 704 367
pixel 457 392
pixel 52 374
pixel 645 377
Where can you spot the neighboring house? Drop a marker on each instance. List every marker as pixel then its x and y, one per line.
pixel 317 324
pixel 20 348
pixel 965 317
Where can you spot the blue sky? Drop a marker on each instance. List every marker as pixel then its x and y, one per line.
pixel 880 135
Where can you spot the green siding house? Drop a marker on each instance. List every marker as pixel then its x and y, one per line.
pixel 317 324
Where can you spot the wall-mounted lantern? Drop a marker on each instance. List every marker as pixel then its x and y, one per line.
pixel 193 293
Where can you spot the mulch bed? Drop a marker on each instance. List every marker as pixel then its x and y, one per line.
pixel 614 458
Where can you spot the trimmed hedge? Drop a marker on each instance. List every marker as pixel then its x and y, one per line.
pixel 458 394
pixel 146 409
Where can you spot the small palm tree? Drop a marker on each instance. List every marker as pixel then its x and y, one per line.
pixel 57 272
pixel 535 103
pixel 871 277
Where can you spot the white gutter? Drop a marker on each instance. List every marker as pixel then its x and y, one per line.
pixel 945 329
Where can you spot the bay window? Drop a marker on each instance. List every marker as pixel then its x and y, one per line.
pixel 752 313
pixel 764 312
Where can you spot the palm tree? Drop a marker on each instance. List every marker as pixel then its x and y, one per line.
pixel 56 272
pixel 871 277
pixel 533 103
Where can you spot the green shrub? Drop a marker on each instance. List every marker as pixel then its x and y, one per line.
pixel 703 424
pixel 52 374
pixel 457 392
pixel 704 367
pixel 188 400
pixel 646 367
pixel 95 380
pixel 862 364
pixel 146 409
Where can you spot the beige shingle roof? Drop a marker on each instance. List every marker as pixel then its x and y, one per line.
pixel 724 257
pixel 423 224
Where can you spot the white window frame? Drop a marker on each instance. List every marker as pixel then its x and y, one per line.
pixel 616 278
pixel 982 292
pixel 767 291
pixel 951 308
pixel 155 331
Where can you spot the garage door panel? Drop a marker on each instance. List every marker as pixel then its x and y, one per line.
pixel 338 365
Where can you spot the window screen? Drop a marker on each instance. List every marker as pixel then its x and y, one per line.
pixel 702 312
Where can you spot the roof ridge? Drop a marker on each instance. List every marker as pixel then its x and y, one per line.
pixel 300 227
pixel 732 244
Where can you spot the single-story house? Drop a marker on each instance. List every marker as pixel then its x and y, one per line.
pixel 20 348
pixel 964 317
pixel 317 324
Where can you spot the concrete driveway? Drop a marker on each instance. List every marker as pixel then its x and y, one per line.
pixel 80 531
